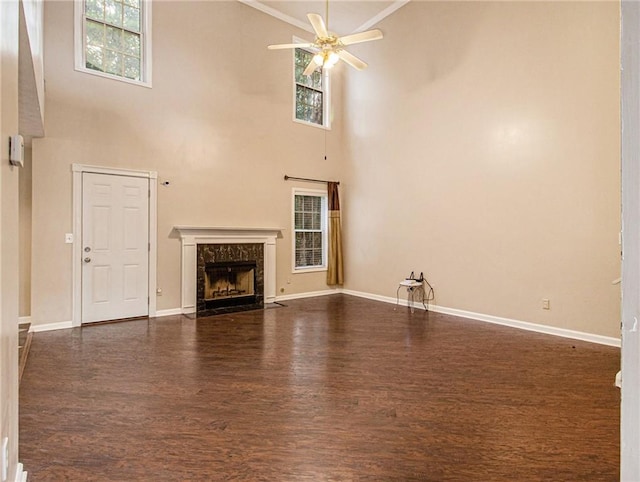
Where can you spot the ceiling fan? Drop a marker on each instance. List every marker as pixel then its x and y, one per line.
pixel 331 48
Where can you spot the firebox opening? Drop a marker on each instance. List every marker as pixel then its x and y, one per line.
pixel 229 283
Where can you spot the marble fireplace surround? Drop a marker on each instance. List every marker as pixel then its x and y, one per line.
pixel 192 236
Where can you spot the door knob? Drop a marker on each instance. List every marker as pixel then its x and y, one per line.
pixel 87 260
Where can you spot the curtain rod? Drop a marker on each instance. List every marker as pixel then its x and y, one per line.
pixel 287 178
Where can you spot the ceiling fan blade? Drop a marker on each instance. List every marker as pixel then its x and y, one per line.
pixel 289 46
pixel 352 60
pixel 318 25
pixel 356 38
pixel 311 67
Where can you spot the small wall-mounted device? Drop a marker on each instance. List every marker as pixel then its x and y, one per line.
pixel 16 150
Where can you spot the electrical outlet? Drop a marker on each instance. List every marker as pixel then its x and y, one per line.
pixel 545 304
pixel 5 458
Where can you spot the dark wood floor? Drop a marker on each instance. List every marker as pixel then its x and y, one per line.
pixel 333 388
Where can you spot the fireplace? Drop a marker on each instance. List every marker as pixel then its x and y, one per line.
pixel 230 277
pixel 192 238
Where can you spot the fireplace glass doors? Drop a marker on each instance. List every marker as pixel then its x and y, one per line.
pixel 230 278
pixel 229 283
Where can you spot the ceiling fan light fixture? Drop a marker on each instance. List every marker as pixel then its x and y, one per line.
pixel 332 59
pixel 326 59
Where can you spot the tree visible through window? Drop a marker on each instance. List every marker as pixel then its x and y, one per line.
pixel 310 230
pixel 114 36
pixel 310 90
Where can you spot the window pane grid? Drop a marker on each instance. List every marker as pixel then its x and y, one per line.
pixel 309 250
pixel 308 258
pixel 309 92
pixel 302 59
pixel 309 104
pixel 113 39
pixel 115 13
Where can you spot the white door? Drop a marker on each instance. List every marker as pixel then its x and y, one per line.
pixel 115 247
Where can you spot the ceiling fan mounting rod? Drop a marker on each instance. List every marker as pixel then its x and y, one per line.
pixel 327 15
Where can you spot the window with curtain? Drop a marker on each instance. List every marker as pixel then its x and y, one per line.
pixel 309 230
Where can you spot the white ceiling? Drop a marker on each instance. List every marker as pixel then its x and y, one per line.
pixel 345 16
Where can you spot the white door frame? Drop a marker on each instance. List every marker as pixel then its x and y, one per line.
pixel 78 170
pixel 630 83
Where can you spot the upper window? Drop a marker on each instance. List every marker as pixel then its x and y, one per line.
pixel 311 91
pixel 113 38
pixel 309 230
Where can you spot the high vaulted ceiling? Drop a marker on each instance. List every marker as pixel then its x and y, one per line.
pixel 345 16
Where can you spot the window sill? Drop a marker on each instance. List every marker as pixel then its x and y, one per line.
pixel 311 124
pixel 314 269
pixel 113 77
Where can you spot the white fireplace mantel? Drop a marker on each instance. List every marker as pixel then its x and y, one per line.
pixel 191 236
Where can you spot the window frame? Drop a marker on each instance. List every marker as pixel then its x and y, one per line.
pixel 326 91
pixel 80 53
pixel 324 195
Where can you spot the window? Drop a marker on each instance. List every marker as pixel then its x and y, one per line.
pixel 311 92
pixel 113 39
pixel 309 230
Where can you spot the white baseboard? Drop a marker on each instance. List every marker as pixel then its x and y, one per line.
pixel 68 324
pixel 169 312
pixel 523 325
pixel 21 475
pixel 61 325
pixel 24 319
pixel 371 296
pixel 309 294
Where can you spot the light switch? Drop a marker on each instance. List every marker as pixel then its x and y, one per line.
pixel 68 238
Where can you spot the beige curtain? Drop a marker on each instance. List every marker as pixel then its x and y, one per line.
pixel 335 275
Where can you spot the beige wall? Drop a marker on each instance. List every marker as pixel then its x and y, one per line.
pixel 483 149
pixel 24 215
pixel 217 124
pixel 8 231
